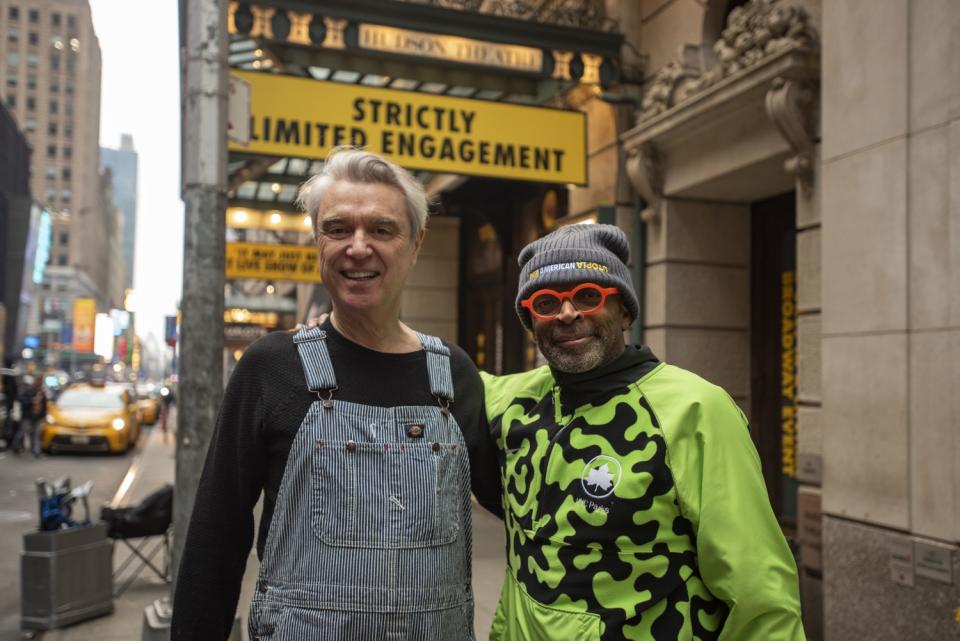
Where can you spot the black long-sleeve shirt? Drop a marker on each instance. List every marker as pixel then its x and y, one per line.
pixel 264 405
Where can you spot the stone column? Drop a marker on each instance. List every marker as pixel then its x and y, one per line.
pixel 698 291
pixel 429 302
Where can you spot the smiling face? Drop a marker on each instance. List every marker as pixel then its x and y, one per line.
pixel 367 247
pixel 575 343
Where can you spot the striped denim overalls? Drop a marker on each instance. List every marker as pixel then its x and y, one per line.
pixel 371 533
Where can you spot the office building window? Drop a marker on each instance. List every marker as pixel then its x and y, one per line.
pixel 64 238
pixel 14 13
pixel 68 130
pixel 71 21
pixel 34 15
pixel 30 126
pixel 13 58
pixel 55 61
pixel 11 80
pixel 55 19
pixel 69 88
pixel 12 34
pixel 32 60
pixel 51 173
pixel 51 151
pixel 11 101
pixel 54 87
pixel 31 103
pixel 68 109
pixel 31 82
pixel 67 153
pixel 52 129
pixel 66 174
pixel 32 38
pixel 65 196
pixel 62 260
pixel 54 107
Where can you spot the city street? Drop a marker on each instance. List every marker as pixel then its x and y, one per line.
pixel 704 255
pixel 18 510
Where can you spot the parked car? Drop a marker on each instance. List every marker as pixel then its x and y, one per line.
pixel 148 401
pixel 101 418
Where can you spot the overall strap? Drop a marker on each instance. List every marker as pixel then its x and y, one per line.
pixel 438 367
pixel 315 359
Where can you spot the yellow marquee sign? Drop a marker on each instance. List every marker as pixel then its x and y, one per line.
pixel 305 118
pixel 263 261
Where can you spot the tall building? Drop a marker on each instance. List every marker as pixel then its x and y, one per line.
pixel 14 224
pixel 50 60
pixel 122 164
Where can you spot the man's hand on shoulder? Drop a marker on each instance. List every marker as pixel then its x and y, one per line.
pixel 313 323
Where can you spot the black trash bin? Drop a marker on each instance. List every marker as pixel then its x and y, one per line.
pixel 65 577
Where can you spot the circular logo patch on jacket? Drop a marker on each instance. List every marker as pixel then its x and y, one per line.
pixel 600 476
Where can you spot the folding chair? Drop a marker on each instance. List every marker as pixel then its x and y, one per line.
pixel 150 519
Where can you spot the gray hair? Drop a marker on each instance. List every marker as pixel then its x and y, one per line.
pixel 355 165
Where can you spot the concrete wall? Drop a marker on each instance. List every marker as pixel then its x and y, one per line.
pixel 890 242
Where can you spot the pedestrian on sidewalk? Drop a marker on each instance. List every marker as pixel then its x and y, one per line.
pixel 33 413
pixel 635 505
pixel 365 438
pixel 9 381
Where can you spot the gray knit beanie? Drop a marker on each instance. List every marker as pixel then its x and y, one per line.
pixel 577 254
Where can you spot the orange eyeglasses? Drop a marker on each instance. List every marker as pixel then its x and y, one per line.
pixel 586 298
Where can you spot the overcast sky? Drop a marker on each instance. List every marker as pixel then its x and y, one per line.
pixel 140 95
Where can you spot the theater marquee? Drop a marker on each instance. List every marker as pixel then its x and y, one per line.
pixel 305 118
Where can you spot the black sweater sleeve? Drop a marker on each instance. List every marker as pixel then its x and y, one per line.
pixel 468 408
pixel 222 525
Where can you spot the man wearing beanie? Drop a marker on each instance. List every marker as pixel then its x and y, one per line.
pixel 635 505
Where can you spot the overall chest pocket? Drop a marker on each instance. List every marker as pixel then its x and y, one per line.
pixel 388 495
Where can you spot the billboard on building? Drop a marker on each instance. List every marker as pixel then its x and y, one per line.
pixel 84 324
pixel 305 118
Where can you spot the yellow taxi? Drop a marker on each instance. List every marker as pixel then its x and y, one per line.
pixel 92 418
pixel 149 407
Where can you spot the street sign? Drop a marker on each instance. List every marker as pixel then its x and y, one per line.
pixel 305 118
pixel 272 262
pixel 238 110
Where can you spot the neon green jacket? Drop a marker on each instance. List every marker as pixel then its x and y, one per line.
pixel 635 509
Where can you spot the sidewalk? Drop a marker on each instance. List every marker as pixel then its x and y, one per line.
pixel 152 466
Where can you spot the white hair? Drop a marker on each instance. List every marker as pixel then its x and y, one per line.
pixel 355 165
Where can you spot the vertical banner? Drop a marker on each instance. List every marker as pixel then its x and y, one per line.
pixel 170 330
pixel 84 324
pixel 788 387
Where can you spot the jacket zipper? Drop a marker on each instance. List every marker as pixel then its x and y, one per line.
pixel 559 420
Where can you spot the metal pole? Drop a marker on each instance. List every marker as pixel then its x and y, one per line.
pixel 203 40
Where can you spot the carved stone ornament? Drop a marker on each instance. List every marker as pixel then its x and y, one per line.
pixel 754 32
pixel 645 172
pixel 790 107
pixel 583 14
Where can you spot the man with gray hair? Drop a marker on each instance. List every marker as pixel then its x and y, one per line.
pixel 365 438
